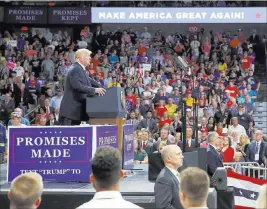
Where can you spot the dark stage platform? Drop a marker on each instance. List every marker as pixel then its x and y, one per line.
pixel 134 187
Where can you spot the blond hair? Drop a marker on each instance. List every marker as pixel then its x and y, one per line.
pixel 244 140
pixel 81 53
pixel 25 190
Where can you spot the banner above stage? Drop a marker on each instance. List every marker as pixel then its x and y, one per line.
pixel 25 15
pixel 69 15
pixel 179 15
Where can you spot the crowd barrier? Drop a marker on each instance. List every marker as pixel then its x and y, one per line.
pixel 251 169
pixel 62 153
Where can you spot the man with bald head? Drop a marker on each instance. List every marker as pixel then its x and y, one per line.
pixel 167 184
pixel 78 85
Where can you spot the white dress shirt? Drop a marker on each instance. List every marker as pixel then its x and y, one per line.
pixel 108 199
pixel 82 65
pixel 175 172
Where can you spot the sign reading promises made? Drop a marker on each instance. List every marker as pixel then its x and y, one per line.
pixel 57 153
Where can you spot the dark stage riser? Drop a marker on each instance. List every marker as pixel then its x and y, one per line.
pixel 66 201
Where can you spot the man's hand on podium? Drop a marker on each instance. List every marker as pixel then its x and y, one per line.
pixel 100 91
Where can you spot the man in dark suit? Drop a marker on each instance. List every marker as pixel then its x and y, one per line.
pixel 52 121
pixel 213 158
pixel 148 123
pixel 78 86
pixel 167 184
pixel 190 142
pixel 7 106
pixel 257 149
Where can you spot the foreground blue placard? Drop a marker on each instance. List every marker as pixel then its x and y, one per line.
pixel 128 147
pixel 107 136
pixel 59 154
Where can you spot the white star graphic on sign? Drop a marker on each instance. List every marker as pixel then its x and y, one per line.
pixel 45 132
pixel 50 132
pixel 253 195
pixel 240 192
pixel 55 161
pixel 60 132
pixel 55 132
pixel 50 161
pixel 59 161
pixel 40 162
pixel 44 161
pixel 41 132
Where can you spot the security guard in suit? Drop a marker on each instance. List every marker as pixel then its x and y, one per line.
pixel 3 142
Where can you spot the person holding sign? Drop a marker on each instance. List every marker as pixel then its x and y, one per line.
pixel 77 86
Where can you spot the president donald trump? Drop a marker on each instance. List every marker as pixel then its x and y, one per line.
pixel 78 85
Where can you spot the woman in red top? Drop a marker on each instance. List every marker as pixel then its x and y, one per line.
pixel 159 111
pixel 164 120
pixel 228 151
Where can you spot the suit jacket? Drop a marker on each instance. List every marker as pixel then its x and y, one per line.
pixel 213 160
pixel 251 151
pixel 166 190
pixel 7 109
pixel 149 146
pixel 153 128
pixel 193 143
pixel 135 123
pixel 256 39
pixel 77 86
pixel 17 96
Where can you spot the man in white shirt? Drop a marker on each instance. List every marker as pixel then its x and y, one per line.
pixel 235 127
pixel 194 188
pixel 106 174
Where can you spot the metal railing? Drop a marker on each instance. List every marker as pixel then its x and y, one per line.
pixel 33 110
pixel 252 169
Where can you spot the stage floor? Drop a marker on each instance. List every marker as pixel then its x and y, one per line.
pixel 139 176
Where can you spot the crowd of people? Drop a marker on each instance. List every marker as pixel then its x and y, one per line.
pixel 219 84
pixel 147 3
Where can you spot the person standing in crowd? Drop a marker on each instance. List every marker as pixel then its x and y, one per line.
pixel 22 119
pixel 78 85
pixel 148 123
pixel 167 184
pixel 16 119
pixel 26 191
pixel 106 174
pixel 213 158
pixel 257 149
pixel 3 143
pixel 194 188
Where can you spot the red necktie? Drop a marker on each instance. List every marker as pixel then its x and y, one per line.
pixel 144 145
pixel 187 143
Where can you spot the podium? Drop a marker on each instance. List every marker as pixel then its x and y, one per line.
pixel 109 109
